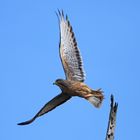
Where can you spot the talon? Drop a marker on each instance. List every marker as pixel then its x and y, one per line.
pixel 100 90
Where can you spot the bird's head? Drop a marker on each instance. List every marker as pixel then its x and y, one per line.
pixel 58 82
pixel 61 83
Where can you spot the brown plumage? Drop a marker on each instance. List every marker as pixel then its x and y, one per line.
pixel 76 88
pixel 75 75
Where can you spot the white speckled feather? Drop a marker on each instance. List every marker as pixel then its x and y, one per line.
pixel 69 52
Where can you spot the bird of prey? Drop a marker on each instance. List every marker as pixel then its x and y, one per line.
pixel 72 63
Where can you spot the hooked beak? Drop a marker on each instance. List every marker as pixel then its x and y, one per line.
pixel 54 83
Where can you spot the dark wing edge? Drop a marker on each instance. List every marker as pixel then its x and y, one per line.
pixel 56 101
pixel 69 51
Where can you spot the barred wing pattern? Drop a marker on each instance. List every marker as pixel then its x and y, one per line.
pixel 69 52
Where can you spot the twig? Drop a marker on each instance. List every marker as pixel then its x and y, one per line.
pixel 112 120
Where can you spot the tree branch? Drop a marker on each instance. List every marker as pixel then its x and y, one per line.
pixel 112 120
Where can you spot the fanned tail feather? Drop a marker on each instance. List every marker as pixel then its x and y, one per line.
pixel 97 98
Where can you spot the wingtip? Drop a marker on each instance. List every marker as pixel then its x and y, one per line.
pixel 60 14
pixel 26 122
pixel 21 123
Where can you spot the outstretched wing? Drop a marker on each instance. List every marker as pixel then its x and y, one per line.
pixel 56 101
pixel 69 52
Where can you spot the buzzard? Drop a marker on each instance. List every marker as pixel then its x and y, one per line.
pixel 73 68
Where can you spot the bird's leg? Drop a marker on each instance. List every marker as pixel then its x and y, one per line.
pixel 100 90
pixel 88 95
pixel 98 93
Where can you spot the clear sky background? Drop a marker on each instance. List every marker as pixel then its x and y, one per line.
pixel 108 35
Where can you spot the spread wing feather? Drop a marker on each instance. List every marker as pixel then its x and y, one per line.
pixel 56 101
pixel 69 52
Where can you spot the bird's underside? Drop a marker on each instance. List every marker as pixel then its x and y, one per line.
pixel 73 68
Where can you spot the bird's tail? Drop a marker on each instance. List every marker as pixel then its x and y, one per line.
pixel 96 98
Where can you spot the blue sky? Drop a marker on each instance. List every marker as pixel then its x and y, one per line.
pixel 108 35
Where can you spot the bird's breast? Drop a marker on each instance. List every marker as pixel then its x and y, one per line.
pixel 78 89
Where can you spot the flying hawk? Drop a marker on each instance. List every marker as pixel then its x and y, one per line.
pixel 73 68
